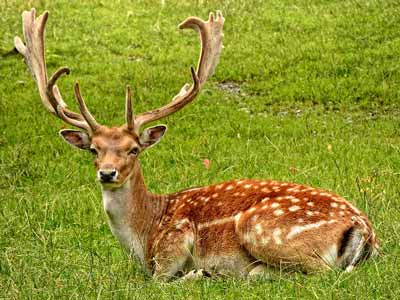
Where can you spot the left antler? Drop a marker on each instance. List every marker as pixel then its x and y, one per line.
pixel 34 55
pixel 211 45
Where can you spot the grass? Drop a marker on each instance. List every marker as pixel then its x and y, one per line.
pixel 306 91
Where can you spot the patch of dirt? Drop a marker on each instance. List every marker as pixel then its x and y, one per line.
pixel 230 87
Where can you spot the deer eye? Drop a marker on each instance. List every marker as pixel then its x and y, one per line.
pixel 93 151
pixel 134 151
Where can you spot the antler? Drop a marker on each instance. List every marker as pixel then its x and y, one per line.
pixel 33 53
pixel 211 45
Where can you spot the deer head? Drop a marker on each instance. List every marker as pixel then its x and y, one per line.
pixel 115 149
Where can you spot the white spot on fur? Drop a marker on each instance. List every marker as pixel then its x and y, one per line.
pixel 310 203
pixel 265 199
pixel 342 213
pixel 343 206
pixel 247 237
pixel 309 213
pixel 237 216
pixel 334 204
pixel 259 229
pixel 215 195
pixel 265 190
pixel 229 187
pixel 275 205
pixel 219 186
pixel 247 186
pixel 265 206
pixel 276 234
pixel 331 214
pixel 276 188
pixel 262 183
pixel 301 220
pixel 314 193
pixel 265 240
pixel 295 200
pixel 294 208
pixel 251 210
pixel 278 212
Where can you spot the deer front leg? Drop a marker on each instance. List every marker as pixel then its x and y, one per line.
pixel 173 252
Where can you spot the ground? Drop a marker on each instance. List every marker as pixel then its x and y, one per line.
pixel 306 91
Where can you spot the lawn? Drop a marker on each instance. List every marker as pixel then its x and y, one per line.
pixel 306 91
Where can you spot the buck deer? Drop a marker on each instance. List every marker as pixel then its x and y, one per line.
pixel 240 227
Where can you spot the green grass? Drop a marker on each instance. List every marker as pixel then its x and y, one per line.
pixel 305 75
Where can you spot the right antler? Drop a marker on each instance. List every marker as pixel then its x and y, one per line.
pixel 33 53
pixel 211 46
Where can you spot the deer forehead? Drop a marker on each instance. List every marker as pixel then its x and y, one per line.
pixel 116 138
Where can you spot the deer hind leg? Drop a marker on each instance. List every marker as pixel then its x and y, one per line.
pixel 173 254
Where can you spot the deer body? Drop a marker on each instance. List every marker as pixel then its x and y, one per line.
pixel 236 226
pixel 240 227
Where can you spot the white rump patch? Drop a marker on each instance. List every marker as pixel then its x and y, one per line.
pixel 330 256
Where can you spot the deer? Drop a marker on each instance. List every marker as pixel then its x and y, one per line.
pixel 243 228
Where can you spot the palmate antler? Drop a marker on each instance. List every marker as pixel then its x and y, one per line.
pixel 211 44
pixel 33 53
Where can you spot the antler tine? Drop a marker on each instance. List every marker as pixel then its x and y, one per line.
pixel 33 52
pixel 211 42
pixel 128 109
pixel 211 45
pixel 84 110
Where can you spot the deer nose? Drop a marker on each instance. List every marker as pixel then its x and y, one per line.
pixel 108 175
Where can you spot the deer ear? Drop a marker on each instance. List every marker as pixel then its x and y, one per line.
pixel 76 138
pixel 152 135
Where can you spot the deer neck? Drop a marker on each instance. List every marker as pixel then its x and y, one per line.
pixel 133 212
